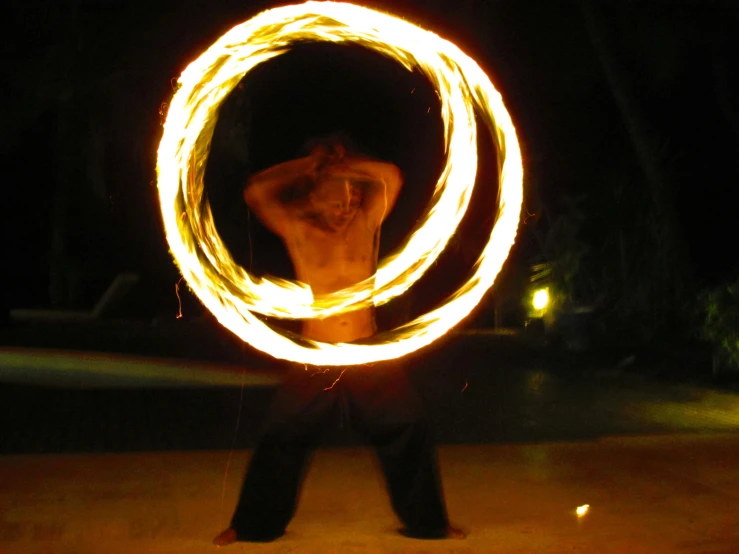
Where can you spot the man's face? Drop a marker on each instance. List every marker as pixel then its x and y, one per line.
pixel 336 200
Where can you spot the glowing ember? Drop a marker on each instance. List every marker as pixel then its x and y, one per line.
pixel 179 300
pixel 582 510
pixel 228 290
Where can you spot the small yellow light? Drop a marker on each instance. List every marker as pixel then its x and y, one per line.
pixel 582 510
pixel 541 299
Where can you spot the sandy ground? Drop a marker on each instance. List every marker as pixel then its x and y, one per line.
pixel 672 493
pixel 118 454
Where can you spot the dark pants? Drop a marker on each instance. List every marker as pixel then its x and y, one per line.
pixel 379 403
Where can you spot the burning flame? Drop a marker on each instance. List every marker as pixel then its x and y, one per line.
pixel 229 291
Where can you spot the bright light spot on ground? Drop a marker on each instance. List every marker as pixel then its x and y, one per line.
pixel 582 510
pixel 541 299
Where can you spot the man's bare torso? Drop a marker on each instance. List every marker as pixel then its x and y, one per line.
pixel 328 208
pixel 329 261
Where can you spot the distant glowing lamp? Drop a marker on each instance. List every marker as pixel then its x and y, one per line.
pixel 541 299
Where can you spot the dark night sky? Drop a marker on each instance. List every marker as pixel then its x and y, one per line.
pixel 108 65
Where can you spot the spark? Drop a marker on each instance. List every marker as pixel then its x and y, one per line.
pixel 466 384
pixel 320 372
pixel 179 300
pixel 233 441
pixel 163 113
pixel 528 216
pixel 582 510
pixel 236 297
pixel 337 379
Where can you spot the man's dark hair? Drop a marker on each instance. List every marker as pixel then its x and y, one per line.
pixel 329 140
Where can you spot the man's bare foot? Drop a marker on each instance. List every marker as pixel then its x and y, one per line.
pixel 455 533
pixel 226 537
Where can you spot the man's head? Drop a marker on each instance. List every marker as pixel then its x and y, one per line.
pixel 334 197
pixel 336 201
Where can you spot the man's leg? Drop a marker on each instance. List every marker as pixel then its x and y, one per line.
pixel 294 424
pixel 385 407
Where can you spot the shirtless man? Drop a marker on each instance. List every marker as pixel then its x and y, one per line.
pixel 328 208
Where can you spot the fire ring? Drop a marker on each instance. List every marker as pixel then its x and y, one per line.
pixel 228 290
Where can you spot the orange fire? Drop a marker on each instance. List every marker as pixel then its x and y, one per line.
pixel 228 290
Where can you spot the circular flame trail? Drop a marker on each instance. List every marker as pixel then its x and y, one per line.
pixel 229 291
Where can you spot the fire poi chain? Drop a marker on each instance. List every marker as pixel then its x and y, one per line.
pixel 228 290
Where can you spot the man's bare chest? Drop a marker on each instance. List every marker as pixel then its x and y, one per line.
pixel 326 249
pixel 334 259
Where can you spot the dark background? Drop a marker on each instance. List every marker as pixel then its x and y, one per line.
pixel 627 115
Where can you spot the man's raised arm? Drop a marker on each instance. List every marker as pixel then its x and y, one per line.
pixel 269 193
pixel 384 181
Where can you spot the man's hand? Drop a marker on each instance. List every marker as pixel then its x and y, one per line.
pixel 381 183
pixel 323 159
pixel 341 170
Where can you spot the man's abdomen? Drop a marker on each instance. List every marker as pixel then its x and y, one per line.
pixel 346 327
